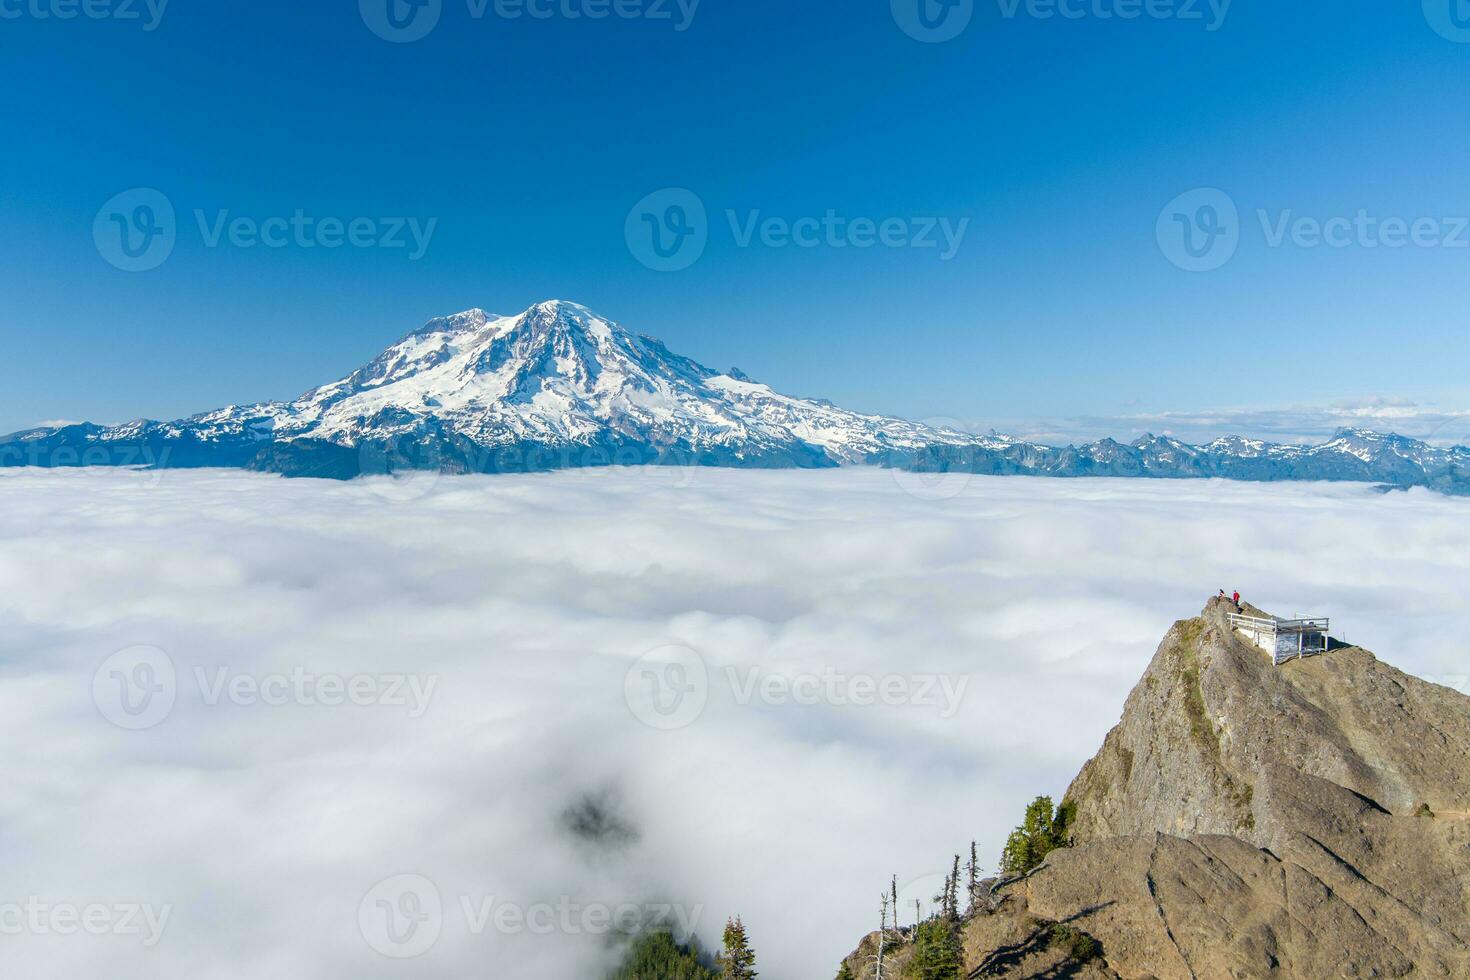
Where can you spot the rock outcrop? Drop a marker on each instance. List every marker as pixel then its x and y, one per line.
pixel 1245 820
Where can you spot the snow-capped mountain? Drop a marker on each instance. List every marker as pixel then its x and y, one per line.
pixel 1350 455
pixel 559 386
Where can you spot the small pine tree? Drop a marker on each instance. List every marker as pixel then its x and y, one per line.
pixel 844 972
pixel 737 962
pixel 937 952
pixel 952 893
pixel 1042 831
pixel 972 891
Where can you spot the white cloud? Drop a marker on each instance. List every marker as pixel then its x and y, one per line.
pixel 528 599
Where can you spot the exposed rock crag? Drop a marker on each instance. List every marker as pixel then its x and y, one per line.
pixel 1245 820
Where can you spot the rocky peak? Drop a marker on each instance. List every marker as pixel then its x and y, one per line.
pixel 1249 820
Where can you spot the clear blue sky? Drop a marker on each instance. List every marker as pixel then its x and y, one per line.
pixel 530 140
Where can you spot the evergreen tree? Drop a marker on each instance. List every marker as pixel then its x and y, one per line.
pixel 844 972
pixel 737 962
pixel 656 956
pixel 937 952
pixel 1043 830
pixel 952 893
pixel 972 891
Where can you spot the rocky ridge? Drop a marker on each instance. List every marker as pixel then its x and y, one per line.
pixel 1245 820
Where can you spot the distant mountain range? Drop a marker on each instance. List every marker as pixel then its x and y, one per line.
pixel 559 386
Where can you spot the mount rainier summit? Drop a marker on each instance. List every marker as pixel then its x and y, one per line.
pixel 559 386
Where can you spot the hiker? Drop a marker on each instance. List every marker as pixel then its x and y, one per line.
pixel 1236 599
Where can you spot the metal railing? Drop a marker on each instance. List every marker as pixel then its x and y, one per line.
pixel 1273 630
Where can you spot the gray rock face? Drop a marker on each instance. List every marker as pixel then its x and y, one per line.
pixel 1246 820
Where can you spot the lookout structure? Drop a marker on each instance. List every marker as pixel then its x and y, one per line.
pixel 1286 639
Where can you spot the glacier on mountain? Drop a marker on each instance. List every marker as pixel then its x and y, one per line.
pixel 559 386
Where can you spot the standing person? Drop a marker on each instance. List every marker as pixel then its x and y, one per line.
pixel 1236 600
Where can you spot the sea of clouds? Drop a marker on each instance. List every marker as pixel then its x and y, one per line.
pixel 474 727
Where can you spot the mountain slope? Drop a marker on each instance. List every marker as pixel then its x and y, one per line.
pixel 1245 820
pixel 555 386
pixel 559 386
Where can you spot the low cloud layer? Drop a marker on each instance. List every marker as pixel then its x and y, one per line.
pixel 291 728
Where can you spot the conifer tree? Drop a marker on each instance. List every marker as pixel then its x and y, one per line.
pixel 737 962
pixel 952 893
pixel 658 956
pixel 973 889
pixel 1042 830
pixel 937 952
pixel 844 972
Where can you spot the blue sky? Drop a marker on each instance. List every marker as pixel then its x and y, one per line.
pixel 1055 143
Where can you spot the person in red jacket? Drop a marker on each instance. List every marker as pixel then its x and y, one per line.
pixel 1236 600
